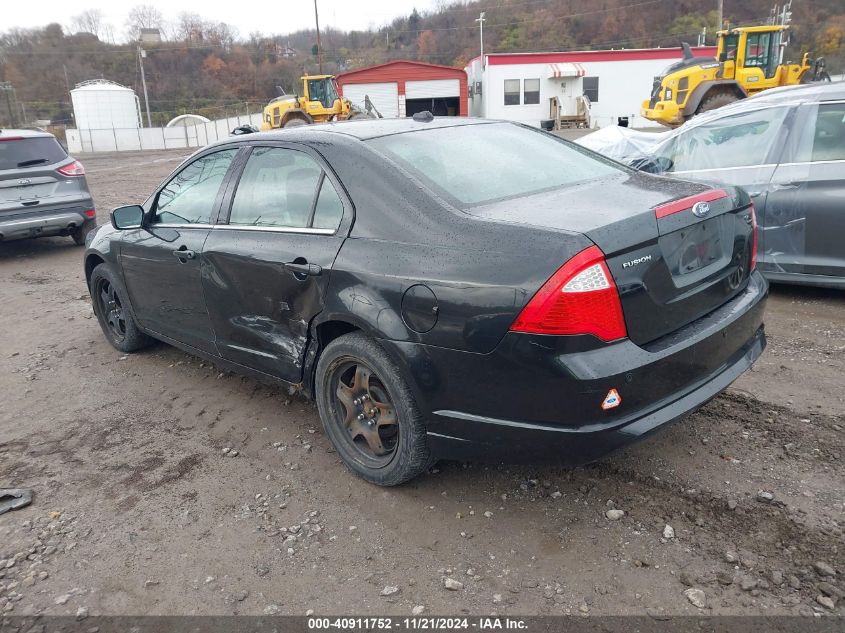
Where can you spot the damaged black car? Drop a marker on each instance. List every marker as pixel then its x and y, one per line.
pixel 442 288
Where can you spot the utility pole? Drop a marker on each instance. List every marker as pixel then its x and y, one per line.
pixel 69 96
pixel 6 86
pixel 721 11
pixel 319 46
pixel 480 20
pixel 141 55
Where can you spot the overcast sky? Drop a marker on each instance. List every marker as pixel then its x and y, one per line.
pixel 273 16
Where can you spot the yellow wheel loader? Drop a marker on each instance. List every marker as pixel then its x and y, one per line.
pixel 318 103
pixel 749 60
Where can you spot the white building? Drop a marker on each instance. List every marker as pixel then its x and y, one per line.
pixel 519 86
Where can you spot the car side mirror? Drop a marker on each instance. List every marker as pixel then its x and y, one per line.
pixel 652 164
pixel 129 217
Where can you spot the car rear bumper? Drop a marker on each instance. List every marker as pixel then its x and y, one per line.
pixel 42 224
pixel 528 400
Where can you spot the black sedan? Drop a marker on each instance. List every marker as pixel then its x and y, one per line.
pixel 443 288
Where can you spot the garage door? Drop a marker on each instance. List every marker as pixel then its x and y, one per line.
pixel 385 97
pixel 432 88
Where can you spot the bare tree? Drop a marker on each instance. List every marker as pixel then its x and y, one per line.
pixel 190 27
pixel 89 21
pixel 143 16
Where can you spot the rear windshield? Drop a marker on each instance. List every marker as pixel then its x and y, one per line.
pixel 476 164
pixel 30 152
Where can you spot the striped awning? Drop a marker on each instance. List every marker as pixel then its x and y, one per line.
pixel 566 70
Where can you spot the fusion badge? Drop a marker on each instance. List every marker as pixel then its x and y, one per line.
pixel 611 400
pixel 634 262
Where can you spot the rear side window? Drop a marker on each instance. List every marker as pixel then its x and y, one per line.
pixel 476 164
pixel 829 133
pixel 279 188
pixel 329 209
pixel 30 152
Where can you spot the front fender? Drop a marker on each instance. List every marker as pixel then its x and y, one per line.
pixel 703 88
pixel 99 248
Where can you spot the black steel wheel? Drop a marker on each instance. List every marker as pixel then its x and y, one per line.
pixel 369 412
pixel 111 307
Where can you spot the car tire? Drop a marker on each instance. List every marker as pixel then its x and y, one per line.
pixel 79 234
pixel 111 306
pixel 716 100
pixel 369 412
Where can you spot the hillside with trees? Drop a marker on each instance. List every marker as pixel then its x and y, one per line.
pixel 210 68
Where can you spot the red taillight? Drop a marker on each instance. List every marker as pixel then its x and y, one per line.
pixel 90 213
pixel 580 298
pixel 11 138
pixel 676 206
pixel 753 238
pixel 72 169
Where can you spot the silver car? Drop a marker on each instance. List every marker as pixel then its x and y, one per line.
pixel 786 147
pixel 43 191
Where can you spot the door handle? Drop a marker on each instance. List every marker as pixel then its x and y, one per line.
pixel 184 254
pixel 303 269
pixel 780 186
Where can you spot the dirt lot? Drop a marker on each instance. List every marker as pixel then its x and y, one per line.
pixel 137 509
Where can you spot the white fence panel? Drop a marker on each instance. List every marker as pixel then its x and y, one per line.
pixel 152 138
pixel 74 143
pixel 102 140
pixel 174 137
pixel 156 138
pixel 128 139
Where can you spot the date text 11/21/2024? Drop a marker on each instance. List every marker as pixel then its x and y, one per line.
pixel 417 624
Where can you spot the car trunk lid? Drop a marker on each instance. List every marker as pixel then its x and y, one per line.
pixel 670 265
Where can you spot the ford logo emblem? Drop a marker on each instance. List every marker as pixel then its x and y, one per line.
pixel 700 209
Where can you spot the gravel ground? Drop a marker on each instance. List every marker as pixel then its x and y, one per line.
pixel 737 509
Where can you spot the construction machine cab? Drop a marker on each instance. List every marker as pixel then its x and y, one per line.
pixel 322 89
pixel 759 47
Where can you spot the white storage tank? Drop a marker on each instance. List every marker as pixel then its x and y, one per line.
pixel 100 104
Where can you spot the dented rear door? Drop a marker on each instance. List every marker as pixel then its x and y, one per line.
pixel 267 264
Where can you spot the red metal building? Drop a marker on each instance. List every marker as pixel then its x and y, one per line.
pixel 403 87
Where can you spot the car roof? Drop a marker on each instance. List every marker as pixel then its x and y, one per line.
pixel 361 129
pixel 787 95
pixel 25 133
pixel 818 91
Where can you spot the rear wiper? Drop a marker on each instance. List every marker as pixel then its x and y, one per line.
pixel 34 161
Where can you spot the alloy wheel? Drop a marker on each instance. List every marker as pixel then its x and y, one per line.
pixel 366 415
